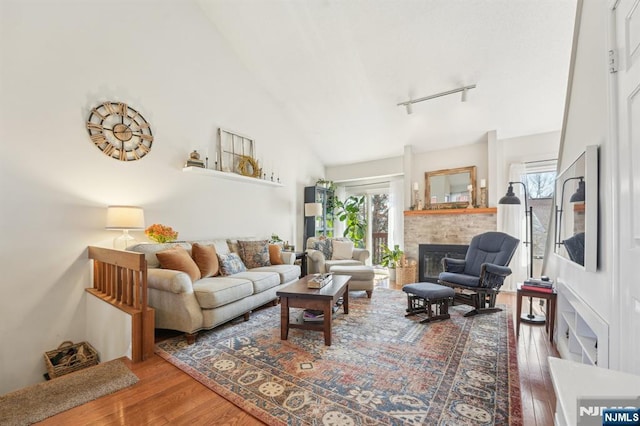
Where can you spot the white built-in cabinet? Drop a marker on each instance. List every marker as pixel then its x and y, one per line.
pixel 582 335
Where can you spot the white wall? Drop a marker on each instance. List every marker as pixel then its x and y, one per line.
pixel 491 158
pixel 462 156
pixel 529 148
pixel 108 329
pixel 587 124
pixel 58 60
pixel 365 170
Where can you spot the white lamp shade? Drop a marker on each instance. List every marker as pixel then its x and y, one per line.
pixel 125 217
pixel 312 209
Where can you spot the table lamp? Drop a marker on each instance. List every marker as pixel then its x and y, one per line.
pixel 124 218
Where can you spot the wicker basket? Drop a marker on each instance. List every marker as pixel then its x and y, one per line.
pixel 406 275
pixel 70 357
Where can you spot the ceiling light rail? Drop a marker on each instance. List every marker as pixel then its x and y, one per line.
pixel 464 90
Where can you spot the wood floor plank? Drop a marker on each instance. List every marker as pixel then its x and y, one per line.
pixel 166 395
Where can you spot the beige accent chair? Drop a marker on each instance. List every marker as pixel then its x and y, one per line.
pixel 318 262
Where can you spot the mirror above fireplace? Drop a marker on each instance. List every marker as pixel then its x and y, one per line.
pixel 448 188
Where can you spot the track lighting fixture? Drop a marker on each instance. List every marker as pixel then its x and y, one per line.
pixel 409 108
pixel 464 90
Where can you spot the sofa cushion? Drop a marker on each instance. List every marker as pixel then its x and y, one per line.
pixel 150 250
pixel 275 254
pixel 287 273
pixel 222 247
pixel 460 279
pixel 218 291
pixel 342 250
pixel 356 272
pixel 178 259
pixel 206 258
pixel 324 246
pixel 230 264
pixel 254 253
pixel 262 280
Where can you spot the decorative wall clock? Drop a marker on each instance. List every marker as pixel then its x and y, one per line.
pixel 119 131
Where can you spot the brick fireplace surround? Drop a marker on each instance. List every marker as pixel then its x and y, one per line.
pixel 452 226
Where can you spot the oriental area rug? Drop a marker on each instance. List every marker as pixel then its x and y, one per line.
pixel 382 367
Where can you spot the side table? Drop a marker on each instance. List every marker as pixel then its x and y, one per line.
pixel 302 257
pixel 551 308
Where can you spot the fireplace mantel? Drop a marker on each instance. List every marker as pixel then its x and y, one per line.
pixel 451 211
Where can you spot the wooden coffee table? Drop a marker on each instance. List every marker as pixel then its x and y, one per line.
pixel 299 295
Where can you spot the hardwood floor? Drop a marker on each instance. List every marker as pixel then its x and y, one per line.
pixel 165 395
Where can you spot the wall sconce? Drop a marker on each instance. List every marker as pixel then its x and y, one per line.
pixel 124 218
pixel 576 197
pixel 464 90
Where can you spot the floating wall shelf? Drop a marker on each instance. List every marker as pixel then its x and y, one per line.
pixel 231 176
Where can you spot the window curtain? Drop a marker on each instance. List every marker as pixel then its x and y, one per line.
pixel 339 226
pixel 512 221
pixel 396 217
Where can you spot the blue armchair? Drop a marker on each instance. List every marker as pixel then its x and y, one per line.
pixel 477 279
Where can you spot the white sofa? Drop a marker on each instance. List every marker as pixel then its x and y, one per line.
pixel 319 261
pixel 187 306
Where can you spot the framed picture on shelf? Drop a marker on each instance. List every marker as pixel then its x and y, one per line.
pixel 233 148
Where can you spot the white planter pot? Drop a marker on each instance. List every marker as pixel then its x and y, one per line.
pixel 392 274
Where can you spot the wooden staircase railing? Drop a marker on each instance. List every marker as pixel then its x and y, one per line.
pixel 120 279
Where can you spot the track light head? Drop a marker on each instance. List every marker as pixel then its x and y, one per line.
pixel 464 94
pixel 409 108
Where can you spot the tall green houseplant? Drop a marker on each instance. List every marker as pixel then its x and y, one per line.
pixel 351 212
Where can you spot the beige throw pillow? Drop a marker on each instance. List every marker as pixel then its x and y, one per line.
pixel 206 259
pixel 178 259
pixel 342 250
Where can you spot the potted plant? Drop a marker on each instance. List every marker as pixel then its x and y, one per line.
pixel 275 239
pixel 351 213
pixel 326 184
pixel 391 259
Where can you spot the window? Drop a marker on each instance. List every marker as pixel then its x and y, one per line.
pixel 540 181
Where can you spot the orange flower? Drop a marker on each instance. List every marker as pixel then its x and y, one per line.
pixel 161 233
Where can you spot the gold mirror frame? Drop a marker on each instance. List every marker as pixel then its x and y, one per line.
pixel 448 172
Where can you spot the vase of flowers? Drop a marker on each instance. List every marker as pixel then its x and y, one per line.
pixel 161 233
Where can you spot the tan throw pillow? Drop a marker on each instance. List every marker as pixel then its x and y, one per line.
pixel 178 259
pixel 254 253
pixel 342 250
pixel 275 254
pixel 206 259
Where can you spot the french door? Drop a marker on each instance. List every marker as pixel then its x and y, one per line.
pixel 625 91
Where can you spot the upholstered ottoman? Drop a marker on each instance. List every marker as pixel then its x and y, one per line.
pixel 361 277
pixel 432 299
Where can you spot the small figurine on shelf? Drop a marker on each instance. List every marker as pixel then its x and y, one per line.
pixel 194 160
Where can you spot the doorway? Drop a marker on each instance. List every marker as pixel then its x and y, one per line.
pixel 376 210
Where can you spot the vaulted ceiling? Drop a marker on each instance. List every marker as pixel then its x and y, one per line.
pixel 338 68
